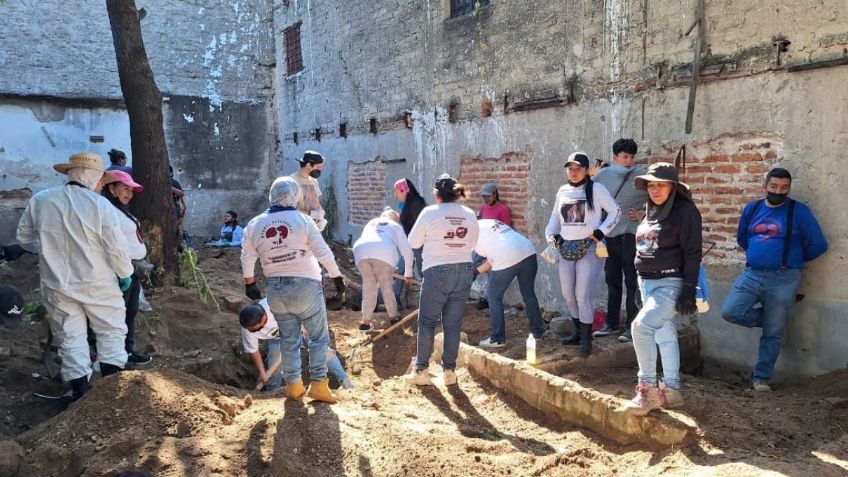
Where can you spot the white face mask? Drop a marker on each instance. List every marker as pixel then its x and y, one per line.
pixel 87 177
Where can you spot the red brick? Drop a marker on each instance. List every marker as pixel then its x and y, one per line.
pixel 770 156
pixel 729 169
pixel 717 158
pixel 747 157
pixel 757 169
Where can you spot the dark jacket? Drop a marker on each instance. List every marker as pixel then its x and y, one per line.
pixel 411 209
pixel 670 246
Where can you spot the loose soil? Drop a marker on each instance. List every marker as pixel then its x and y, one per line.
pixel 190 414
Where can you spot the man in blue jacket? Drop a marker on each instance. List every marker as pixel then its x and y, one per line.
pixel 778 235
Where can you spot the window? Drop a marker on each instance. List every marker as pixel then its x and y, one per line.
pixel 464 7
pixel 294 58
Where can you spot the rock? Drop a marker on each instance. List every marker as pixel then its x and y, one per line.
pixel 5 352
pixel 11 457
pixel 837 402
pixel 562 326
pixel 248 401
pixel 234 303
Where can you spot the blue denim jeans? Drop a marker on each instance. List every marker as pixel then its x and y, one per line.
pixel 499 281
pixel 444 292
pixel 654 326
pixel 775 290
pixel 276 380
pixel 296 301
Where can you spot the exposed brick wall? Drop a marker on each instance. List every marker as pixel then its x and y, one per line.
pixel 511 172
pixel 366 190
pixel 724 174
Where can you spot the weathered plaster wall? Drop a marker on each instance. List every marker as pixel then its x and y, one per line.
pixel 560 76
pixel 213 62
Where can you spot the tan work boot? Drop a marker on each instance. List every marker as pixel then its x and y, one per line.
pixel 646 400
pixel 295 390
pixel 670 398
pixel 320 391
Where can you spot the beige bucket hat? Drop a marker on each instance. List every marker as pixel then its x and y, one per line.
pixel 85 160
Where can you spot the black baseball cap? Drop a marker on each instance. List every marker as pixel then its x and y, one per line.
pixel 579 158
pixel 312 157
pixel 11 306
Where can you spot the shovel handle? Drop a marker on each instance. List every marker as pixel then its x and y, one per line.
pixel 269 372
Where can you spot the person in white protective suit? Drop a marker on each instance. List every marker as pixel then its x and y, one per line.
pixel 84 267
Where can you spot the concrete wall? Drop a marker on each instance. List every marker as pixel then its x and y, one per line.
pixel 212 60
pixel 546 80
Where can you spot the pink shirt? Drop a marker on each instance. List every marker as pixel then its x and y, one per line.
pixel 499 211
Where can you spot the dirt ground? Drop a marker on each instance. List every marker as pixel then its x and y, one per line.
pixel 189 413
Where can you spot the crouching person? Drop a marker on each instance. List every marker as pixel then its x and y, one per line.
pixel 375 254
pixel 668 258
pixel 508 255
pixel 289 247
pixel 258 323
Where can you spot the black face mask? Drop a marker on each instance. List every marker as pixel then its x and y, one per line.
pixel 776 199
pixel 316 173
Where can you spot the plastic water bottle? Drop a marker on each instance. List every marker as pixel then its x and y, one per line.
pixel 531 349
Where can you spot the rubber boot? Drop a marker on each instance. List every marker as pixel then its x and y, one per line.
pixel 106 369
pixel 79 387
pixel 585 340
pixel 320 391
pixel 574 339
pixel 295 390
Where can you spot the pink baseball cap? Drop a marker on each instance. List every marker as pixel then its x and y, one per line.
pixel 401 185
pixel 127 180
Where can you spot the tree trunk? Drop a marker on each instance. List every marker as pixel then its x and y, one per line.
pixel 154 207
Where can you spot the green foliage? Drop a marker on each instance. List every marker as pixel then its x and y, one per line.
pixel 191 276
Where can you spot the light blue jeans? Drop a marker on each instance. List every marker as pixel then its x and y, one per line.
pixel 295 301
pixel 444 292
pixel 654 327
pixel 775 290
pixel 276 380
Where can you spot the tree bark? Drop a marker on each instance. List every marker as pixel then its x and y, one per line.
pixel 154 207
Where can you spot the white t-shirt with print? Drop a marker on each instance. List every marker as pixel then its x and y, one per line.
pixel 250 339
pixel 381 239
pixel 502 246
pixel 574 220
pixel 448 232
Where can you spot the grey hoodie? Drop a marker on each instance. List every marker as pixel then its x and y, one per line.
pixel 628 198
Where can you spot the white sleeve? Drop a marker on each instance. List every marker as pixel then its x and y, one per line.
pixel 249 342
pixel 405 250
pixel 320 249
pixel 249 254
pixel 114 241
pixel 609 204
pixel 26 234
pixel 418 232
pixel 554 226
pixel 474 231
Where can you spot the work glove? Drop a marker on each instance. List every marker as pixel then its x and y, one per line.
pixel 340 284
pixel 686 301
pixel 252 291
pixel 125 283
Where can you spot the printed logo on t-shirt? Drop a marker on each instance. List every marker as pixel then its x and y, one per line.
pixel 274 236
pixel 456 232
pixel 647 239
pixel 573 213
pixel 766 228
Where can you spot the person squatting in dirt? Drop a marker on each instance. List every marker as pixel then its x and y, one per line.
pixel 779 235
pixel 576 225
pixel 507 255
pixel 259 324
pixel 376 253
pixel 231 233
pixel 289 247
pixel 448 232
pixel 84 265
pixel 668 259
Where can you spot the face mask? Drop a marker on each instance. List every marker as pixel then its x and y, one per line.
pixel 776 199
pixel 316 173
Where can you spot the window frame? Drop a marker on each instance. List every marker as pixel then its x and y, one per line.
pixel 293 46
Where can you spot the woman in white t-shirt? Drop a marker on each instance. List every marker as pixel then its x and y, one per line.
pixel 448 232
pixel 508 255
pixel 577 223
pixel 376 253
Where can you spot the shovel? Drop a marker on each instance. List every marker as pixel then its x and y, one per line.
pixel 381 335
pixel 269 372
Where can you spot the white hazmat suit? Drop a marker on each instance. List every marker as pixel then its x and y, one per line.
pixel 78 236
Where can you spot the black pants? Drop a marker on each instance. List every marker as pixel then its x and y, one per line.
pixel 131 301
pixel 622 253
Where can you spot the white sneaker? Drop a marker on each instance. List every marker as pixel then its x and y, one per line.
pixel 449 377
pixel 761 387
pixel 488 343
pixel 418 378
